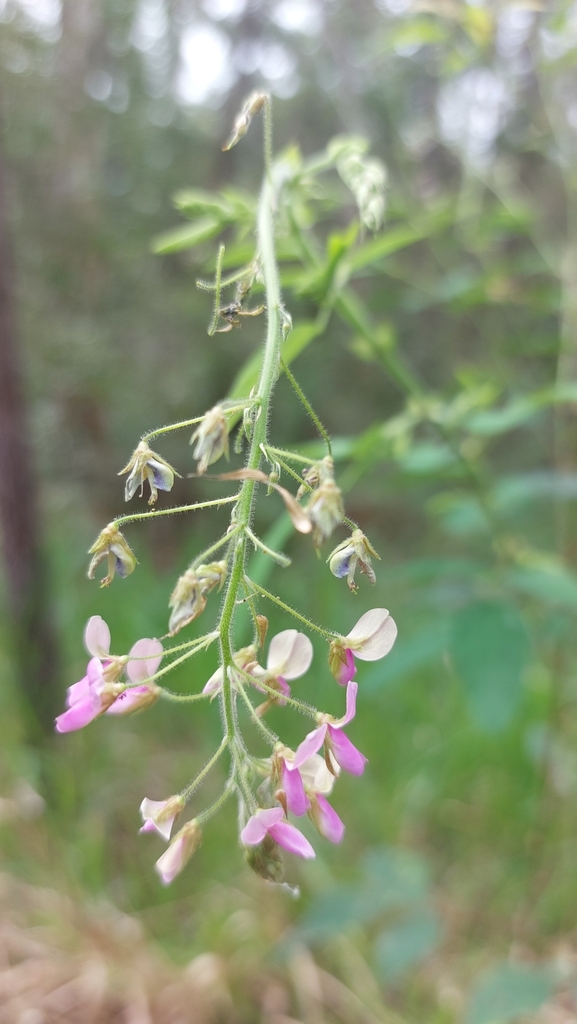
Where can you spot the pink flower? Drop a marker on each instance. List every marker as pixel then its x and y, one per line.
pixel 159 815
pixel 87 699
pixel 99 690
pixel 308 794
pixel 289 656
pixel 149 655
pixel 330 734
pixel 270 822
pixel 179 852
pixel 370 639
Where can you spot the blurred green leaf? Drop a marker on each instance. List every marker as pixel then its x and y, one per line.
pixel 554 585
pixel 427 457
pixel 490 649
pixel 409 654
pixel 499 421
pixel 402 946
pixel 383 245
pixel 186 237
pixel 296 342
pixel 507 992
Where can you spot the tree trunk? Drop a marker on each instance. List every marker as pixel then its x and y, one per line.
pixel 32 637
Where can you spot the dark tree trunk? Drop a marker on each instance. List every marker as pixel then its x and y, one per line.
pixel 33 644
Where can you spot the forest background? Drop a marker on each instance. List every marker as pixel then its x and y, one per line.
pixel 445 370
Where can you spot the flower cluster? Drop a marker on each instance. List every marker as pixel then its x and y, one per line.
pixel 283 784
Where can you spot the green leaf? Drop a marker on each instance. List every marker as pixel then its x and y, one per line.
pixel 490 649
pixel 383 245
pixel 507 992
pixel 499 421
pixel 409 654
pixel 404 945
pixel 186 236
pixel 553 585
pixel 427 457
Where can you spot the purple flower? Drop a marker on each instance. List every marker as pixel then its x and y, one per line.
pixel 304 790
pixel 370 639
pixel 270 822
pixel 326 819
pixel 329 733
pixel 144 465
pixel 87 699
pixel 149 655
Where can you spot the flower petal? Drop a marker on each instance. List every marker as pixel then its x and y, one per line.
pixel 81 714
pixel 289 837
pixel 172 861
pixel 327 820
pixel 129 700
pixel 352 690
pixel 312 742
pixel 78 691
pixel 316 776
pixel 259 824
pixel 162 475
pixel 346 669
pixel 373 635
pixel 292 783
pixel 290 654
pixel 150 654
pixel 150 811
pixel 97 637
pixel 214 684
pixel 346 753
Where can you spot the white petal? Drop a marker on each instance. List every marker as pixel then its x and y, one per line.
pixel 97 637
pixel 316 776
pixel 150 653
pixel 290 654
pixel 373 635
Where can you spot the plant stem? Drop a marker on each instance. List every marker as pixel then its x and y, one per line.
pixel 328 634
pixel 193 786
pixel 121 520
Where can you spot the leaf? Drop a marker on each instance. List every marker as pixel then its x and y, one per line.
pixel 490 649
pixel 405 944
pixel 507 992
pixel 186 236
pixel 552 585
pixel 427 457
pixel 409 654
pixel 499 421
pixel 383 245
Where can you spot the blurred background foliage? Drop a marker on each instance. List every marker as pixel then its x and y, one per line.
pixel 441 353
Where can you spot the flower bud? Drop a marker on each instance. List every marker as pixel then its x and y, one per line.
pixel 179 852
pixel 265 860
pixel 188 599
pixel 144 465
pixel 325 508
pixel 262 626
pixel 355 551
pixel 159 815
pixel 252 106
pixel 211 438
pixel 111 544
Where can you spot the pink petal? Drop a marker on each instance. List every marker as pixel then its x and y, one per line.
pixel 312 742
pixel 289 837
pixel 172 860
pixel 78 691
pixel 373 635
pixel 352 690
pixel 346 669
pixel 77 716
pixel 149 810
pixel 327 821
pixel 214 684
pixel 97 637
pixel 346 753
pixel 292 783
pixel 290 654
pixel 151 651
pixel 128 701
pixel 259 824
pixel 95 677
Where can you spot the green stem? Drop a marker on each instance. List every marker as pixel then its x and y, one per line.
pixel 268 734
pixel 277 556
pixel 122 520
pixel 193 786
pixel 246 497
pixel 295 456
pixel 307 405
pixel 173 426
pixel 215 314
pixel 210 811
pixel 326 633
pixel 199 560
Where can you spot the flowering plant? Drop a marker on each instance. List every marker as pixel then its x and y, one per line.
pixel 267 789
